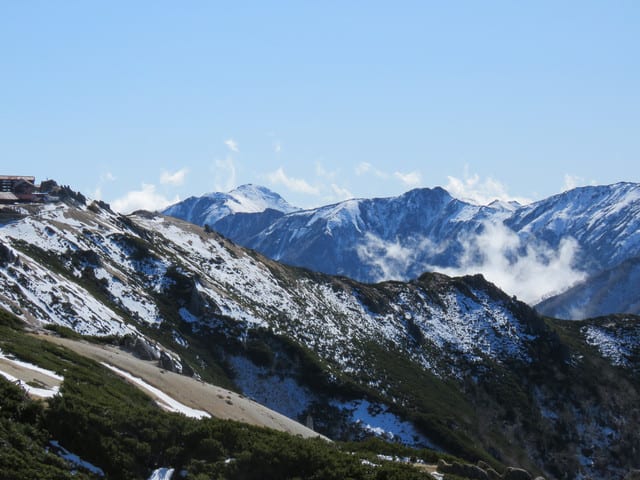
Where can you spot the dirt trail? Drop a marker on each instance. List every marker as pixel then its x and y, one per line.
pixel 217 401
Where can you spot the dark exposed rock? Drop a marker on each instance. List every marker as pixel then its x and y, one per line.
pixel 516 474
pixel 140 348
pixel 463 470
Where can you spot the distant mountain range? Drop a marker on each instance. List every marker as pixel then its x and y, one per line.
pixel 449 363
pixel 567 240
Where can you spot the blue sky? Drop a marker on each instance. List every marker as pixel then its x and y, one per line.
pixel 143 103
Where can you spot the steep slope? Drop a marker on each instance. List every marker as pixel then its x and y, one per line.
pixel 208 209
pixel 611 291
pixel 100 427
pixel 451 363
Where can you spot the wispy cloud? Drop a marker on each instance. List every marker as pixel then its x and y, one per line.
pixel 531 270
pixel 279 177
pixel 472 188
pixel 232 145
pixel 340 193
pixel 322 172
pixel 364 168
pixel 574 181
pixel 107 177
pixel 396 259
pixel 411 179
pixel 224 172
pixel 277 146
pixel 147 198
pixel 175 178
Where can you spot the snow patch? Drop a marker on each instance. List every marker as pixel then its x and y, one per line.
pixel 75 459
pixel 376 419
pixel 162 474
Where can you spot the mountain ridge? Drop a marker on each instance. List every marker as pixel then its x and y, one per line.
pixel 428 229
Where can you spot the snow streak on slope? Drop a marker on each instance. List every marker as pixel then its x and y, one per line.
pixel 164 401
pixel 53 378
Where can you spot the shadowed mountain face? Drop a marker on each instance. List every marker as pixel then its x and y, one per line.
pixel 452 363
pixel 534 251
pixel 613 290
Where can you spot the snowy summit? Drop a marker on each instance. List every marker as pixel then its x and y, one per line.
pixel 211 207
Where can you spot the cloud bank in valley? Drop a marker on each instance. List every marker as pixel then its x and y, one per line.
pixel 531 270
pixel 392 260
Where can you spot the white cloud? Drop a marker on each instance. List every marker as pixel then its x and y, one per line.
pixel 574 181
pixel 340 193
pixel 365 167
pixel 472 188
pixel 232 145
pixel 362 168
pixel 147 198
pixel 279 177
pixel 393 260
pixel 176 178
pixel 411 179
pixel 530 270
pixel 323 172
pixel 277 146
pixel 104 178
pixel 224 174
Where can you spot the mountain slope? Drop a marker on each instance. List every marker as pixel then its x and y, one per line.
pixel 101 427
pixel 613 290
pixel 450 363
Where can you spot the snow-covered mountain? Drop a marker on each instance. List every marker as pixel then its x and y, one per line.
pixel 450 363
pixel 565 238
pixel 208 209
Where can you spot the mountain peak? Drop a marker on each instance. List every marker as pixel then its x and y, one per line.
pixel 211 207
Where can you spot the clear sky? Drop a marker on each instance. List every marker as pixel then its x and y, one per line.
pixel 140 103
